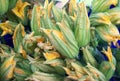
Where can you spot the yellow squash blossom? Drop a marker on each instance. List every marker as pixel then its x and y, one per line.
pixel 7 27
pixel 19 8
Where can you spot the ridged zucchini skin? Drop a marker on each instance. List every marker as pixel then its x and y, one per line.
pixel 3 6
pixel 107 68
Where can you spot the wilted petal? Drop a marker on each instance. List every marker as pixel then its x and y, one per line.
pixel 7 68
pixel 51 55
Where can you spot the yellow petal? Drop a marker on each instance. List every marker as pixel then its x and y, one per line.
pixel 29 14
pixel 23 7
pixel 4 33
pixel 41 39
pixel 38 10
pixel 74 17
pixel 19 9
pixel 11 70
pixel 59 34
pixel 6 27
pixel 7 68
pixel 108 53
pixel 72 6
pixel 68 72
pixel 46 3
pixel 9 62
pixel 105 36
pixel 23 52
pixel 114 2
pixel 105 19
pixel 49 9
pixel 115 41
pixel 46 31
pixel 51 55
pixel 23 31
